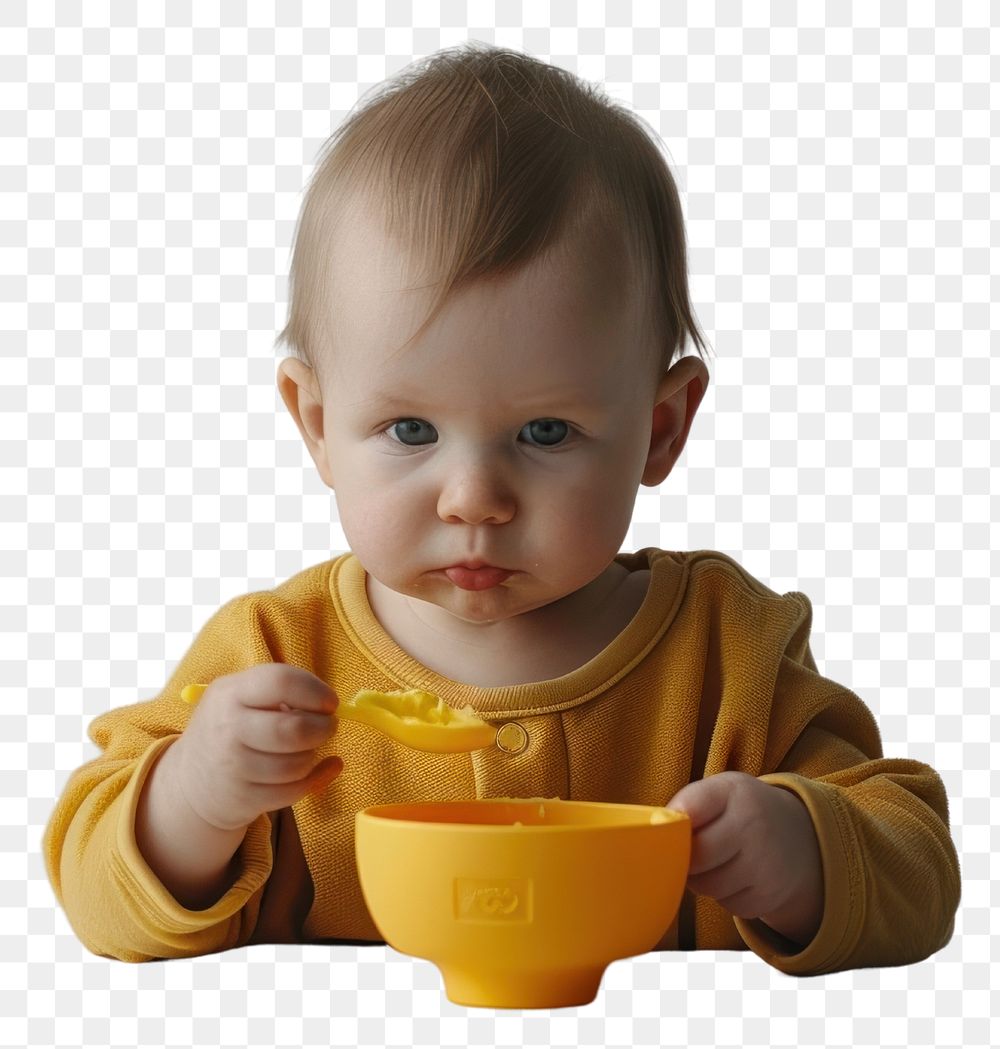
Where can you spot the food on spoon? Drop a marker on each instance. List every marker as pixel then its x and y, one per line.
pixel 414 717
pixel 419 719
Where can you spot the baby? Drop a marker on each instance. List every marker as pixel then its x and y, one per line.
pixel 489 303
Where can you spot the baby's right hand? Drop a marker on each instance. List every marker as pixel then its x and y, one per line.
pixel 250 746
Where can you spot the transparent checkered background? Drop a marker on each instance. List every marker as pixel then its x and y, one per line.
pixel 836 169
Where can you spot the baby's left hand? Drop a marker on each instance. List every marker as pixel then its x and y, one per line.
pixel 754 850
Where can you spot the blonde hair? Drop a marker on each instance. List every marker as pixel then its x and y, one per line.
pixel 479 160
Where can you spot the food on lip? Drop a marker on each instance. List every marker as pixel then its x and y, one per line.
pixel 418 719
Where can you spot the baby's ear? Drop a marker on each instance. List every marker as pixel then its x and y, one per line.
pixel 677 398
pixel 299 387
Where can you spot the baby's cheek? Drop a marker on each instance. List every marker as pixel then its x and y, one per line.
pixel 370 525
pixel 587 523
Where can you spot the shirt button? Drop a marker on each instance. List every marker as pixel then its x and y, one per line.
pixel 512 738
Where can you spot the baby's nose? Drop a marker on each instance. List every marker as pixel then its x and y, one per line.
pixel 476 494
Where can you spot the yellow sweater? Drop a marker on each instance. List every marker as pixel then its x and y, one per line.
pixel 713 673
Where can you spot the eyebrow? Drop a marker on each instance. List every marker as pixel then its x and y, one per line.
pixel 387 400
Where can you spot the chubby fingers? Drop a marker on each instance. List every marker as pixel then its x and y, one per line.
pixel 704 800
pixel 273 708
pixel 284 731
pixel 713 842
pixel 280 686
pixel 724 865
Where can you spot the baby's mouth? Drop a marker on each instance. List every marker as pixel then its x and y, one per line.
pixel 483 578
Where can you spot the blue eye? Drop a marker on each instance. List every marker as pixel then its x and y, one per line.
pixel 549 432
pixel 410 427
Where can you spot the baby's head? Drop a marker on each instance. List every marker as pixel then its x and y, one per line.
pixel 488 291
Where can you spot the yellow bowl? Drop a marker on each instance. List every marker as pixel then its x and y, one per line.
pixel 522 903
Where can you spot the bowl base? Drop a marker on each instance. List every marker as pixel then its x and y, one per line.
pixel 504 989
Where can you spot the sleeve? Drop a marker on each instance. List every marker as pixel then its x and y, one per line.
pixel 116 905
pixel 890 868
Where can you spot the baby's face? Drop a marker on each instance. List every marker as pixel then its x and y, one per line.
pixel 514 432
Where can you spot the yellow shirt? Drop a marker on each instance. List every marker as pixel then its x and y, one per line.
pixel 713 673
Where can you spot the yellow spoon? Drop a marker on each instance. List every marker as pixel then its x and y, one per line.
pixel 415 718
